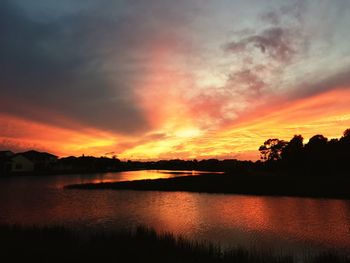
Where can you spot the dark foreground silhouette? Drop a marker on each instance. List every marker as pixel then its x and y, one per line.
pixel 274 185
pixel 59 244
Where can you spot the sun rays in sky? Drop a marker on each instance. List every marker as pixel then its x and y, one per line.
pixel 151 80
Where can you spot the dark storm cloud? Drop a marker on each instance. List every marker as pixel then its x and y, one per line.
pixel 84 65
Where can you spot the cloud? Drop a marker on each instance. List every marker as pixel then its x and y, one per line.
pixel 274 62
pixel 153 74
pixel 21 134
pixel 253 79
pixel 279 37
pixel 251 83
pixel 261 58
pixel 86 64
pixel 275 42
pixel 320 85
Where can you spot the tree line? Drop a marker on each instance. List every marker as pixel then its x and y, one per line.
pixel 318 155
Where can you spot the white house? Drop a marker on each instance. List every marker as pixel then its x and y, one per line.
pixel 21 164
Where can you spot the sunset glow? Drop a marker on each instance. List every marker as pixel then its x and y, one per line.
pixel 158 80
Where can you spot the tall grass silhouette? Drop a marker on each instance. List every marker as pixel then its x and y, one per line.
pixel 61 244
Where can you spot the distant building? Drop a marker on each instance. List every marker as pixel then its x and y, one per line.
pixel 26 162
pixel 20 163
pixel 41 160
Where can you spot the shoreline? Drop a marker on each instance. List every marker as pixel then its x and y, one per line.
pixel 75 172
pixel 260 185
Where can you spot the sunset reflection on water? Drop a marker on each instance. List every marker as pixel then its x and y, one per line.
pixel 145 174
pixel 62 180
pixel 232 220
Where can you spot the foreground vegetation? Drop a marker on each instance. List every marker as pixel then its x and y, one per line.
pixel 258 184
pixel 60 244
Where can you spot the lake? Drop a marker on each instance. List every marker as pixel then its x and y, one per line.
pixel 277 223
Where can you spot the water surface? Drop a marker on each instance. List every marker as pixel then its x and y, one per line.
pixel 282 223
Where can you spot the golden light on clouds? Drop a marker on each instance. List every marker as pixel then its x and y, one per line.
pixel 161 80
pixel 19 133
pixel 326 114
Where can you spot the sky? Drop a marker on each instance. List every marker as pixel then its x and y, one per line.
pixel 162 79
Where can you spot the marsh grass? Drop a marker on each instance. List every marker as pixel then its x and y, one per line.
pixel 61 244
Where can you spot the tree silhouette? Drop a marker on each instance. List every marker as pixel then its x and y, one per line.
pixel 316 149
pixel 346 133
pixel 317 141
pixel 319 156
pixel 293 148
pixel 272 149
pixel 292 154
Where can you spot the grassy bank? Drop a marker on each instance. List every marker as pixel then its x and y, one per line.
pixel 59 244
pixel 272 185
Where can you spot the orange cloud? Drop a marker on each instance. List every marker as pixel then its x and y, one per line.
pixel 20 134
pixel 327 114
pixel 180 136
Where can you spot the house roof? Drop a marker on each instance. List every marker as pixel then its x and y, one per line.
pixel 37 156
pixel 4 154
pixel 21 158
